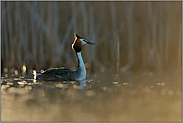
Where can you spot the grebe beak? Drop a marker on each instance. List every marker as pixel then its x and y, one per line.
pixel 88 42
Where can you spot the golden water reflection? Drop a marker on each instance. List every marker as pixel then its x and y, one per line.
pixel 102 97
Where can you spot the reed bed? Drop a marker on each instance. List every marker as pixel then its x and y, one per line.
pixel 129 35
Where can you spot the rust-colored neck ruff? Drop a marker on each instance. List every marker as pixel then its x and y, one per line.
pixel 77 45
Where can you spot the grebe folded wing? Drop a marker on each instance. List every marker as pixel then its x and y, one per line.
pixel 57 74
pixel 58 71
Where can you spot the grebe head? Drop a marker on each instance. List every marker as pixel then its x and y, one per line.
pixel 79 42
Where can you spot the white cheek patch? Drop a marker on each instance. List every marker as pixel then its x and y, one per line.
pixel 83 42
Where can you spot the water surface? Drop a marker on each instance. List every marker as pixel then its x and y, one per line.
pixel 102 97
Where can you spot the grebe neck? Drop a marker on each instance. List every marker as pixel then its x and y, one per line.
pixel 81 66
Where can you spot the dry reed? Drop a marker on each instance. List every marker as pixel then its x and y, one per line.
pixel 130 35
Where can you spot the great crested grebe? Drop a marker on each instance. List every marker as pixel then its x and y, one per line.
pixel 64 74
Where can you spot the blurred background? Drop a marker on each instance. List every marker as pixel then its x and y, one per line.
pixel 130 36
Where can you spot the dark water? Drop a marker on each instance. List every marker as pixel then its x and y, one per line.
pixel 102 97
